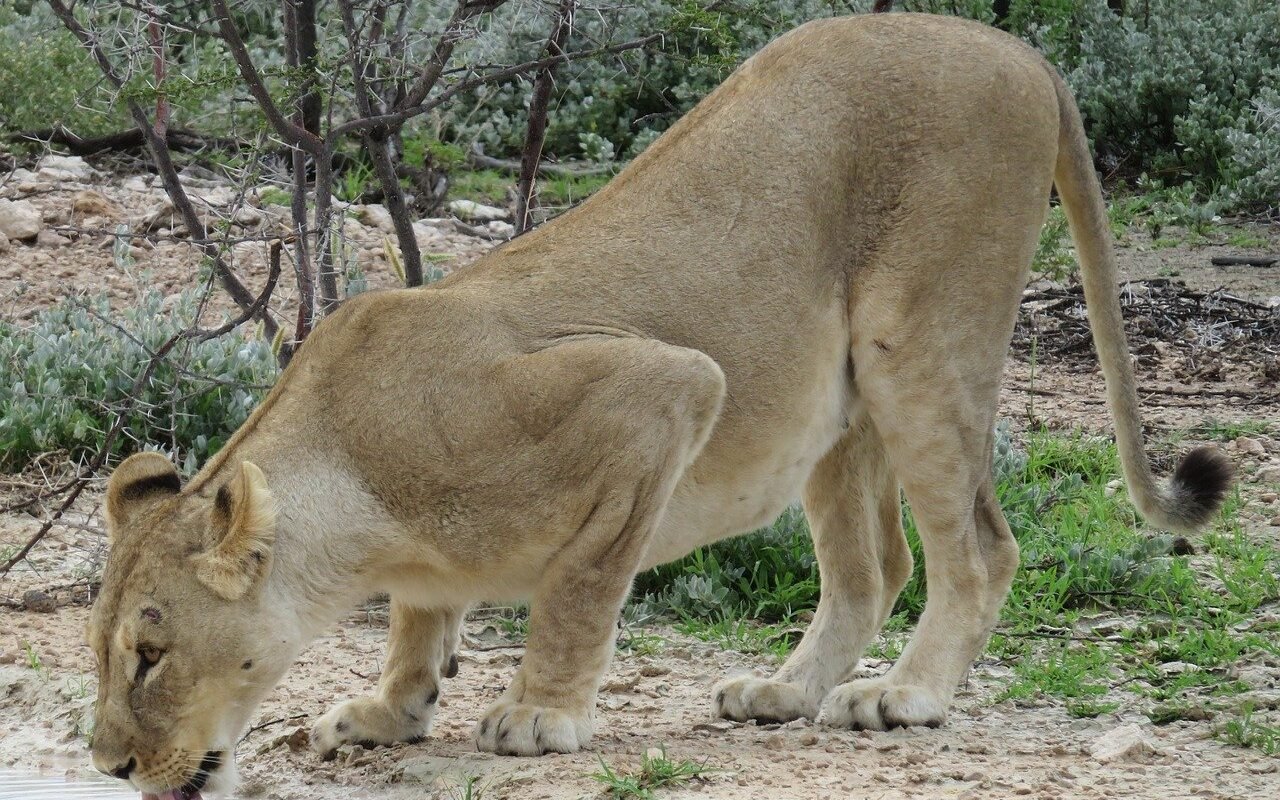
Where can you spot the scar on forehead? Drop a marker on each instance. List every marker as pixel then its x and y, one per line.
pixel 152 614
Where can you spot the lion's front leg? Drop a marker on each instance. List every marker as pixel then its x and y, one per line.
pixel 634 433
pixel 421 649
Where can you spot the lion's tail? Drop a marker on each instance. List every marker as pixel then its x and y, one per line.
pixel 1201 479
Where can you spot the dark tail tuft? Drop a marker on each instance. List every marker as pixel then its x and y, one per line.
pixel 1200 484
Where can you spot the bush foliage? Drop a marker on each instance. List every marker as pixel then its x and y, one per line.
pixel 1179 89
pixel 64 377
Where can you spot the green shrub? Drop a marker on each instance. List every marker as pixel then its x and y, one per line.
pixel 47 76
pixel 63 377
pixel 1179 88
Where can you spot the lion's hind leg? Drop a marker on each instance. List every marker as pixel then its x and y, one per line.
pixel 937 421
pixel 854 512
pixel 421 649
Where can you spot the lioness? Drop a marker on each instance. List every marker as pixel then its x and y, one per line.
pixel 807 287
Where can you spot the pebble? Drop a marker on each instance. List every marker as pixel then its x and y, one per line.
pixel 48 238
pixel 38 601
pixel 1126 743
pixel 809 739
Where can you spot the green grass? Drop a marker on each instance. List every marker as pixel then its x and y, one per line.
pixel 1246 731
pixel 1054 259
pixel 484 186
pixel 1226 431
pixel 276 197
pixel 1243 238
pixel 655 772
pixel 1184 621
pixel 570 190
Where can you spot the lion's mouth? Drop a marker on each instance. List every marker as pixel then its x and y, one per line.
pixel 191 790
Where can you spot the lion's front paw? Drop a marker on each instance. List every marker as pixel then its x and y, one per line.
pixel 517 729
pixel 876 704
pixel 369 721
pixel 749 698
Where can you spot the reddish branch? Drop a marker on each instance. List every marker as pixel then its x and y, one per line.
pixel 163 161
pixel 537 132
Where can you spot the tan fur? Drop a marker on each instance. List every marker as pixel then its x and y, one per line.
pixel 807 286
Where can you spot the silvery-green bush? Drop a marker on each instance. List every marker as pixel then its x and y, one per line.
pixel 1179 88
pixel 65 375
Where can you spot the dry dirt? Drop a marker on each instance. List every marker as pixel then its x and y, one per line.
pixel 987 750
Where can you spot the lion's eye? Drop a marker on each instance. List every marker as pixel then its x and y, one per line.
pixel 148 656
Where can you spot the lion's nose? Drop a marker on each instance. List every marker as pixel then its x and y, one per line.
pixel 122 772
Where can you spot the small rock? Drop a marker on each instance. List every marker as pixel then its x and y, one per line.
pixel 247 216
pixel 719 726
pixel 376 216
pixel 774 742
pixel 426 234
pixel 477 212
pixel 654 754
pixel 1126 743
pixel 1246 444
pixel 19 219
pixel 1268 497
pixel 63 168
pixel 8 658
pixel 1178 667
pixel 92 204
pixel 503 229
pixel 1113 487
pixel 38 601
pixel 1268 474
pixel 1275 522
pixel 808 739
pixel 48 238
pixel 299 740
pixel 654 670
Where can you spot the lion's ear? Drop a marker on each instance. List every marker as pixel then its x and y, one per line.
pixel 137 481
pixel 244 513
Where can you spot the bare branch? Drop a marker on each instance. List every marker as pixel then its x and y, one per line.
pixel 289 131
pixel 537 132
pixel 160 155
pixel 400 116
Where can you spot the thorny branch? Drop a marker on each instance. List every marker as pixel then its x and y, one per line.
pixel 160 155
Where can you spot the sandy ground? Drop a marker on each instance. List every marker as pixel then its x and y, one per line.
pixel 988 750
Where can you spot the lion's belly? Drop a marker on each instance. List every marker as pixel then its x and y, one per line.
pixel 725 494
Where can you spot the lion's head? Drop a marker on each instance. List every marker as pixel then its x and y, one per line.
pixel 186 641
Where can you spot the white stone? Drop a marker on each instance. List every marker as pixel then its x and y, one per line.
pixel 19 219
pixel 504 229
pixel 1269 473
pixel 1126 743
pixel 63 168
pixel 247 216
pixel 376 216
pixel 425 234
pixel 477 212
pixel 136 184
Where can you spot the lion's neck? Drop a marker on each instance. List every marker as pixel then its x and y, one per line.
pixel 331 539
